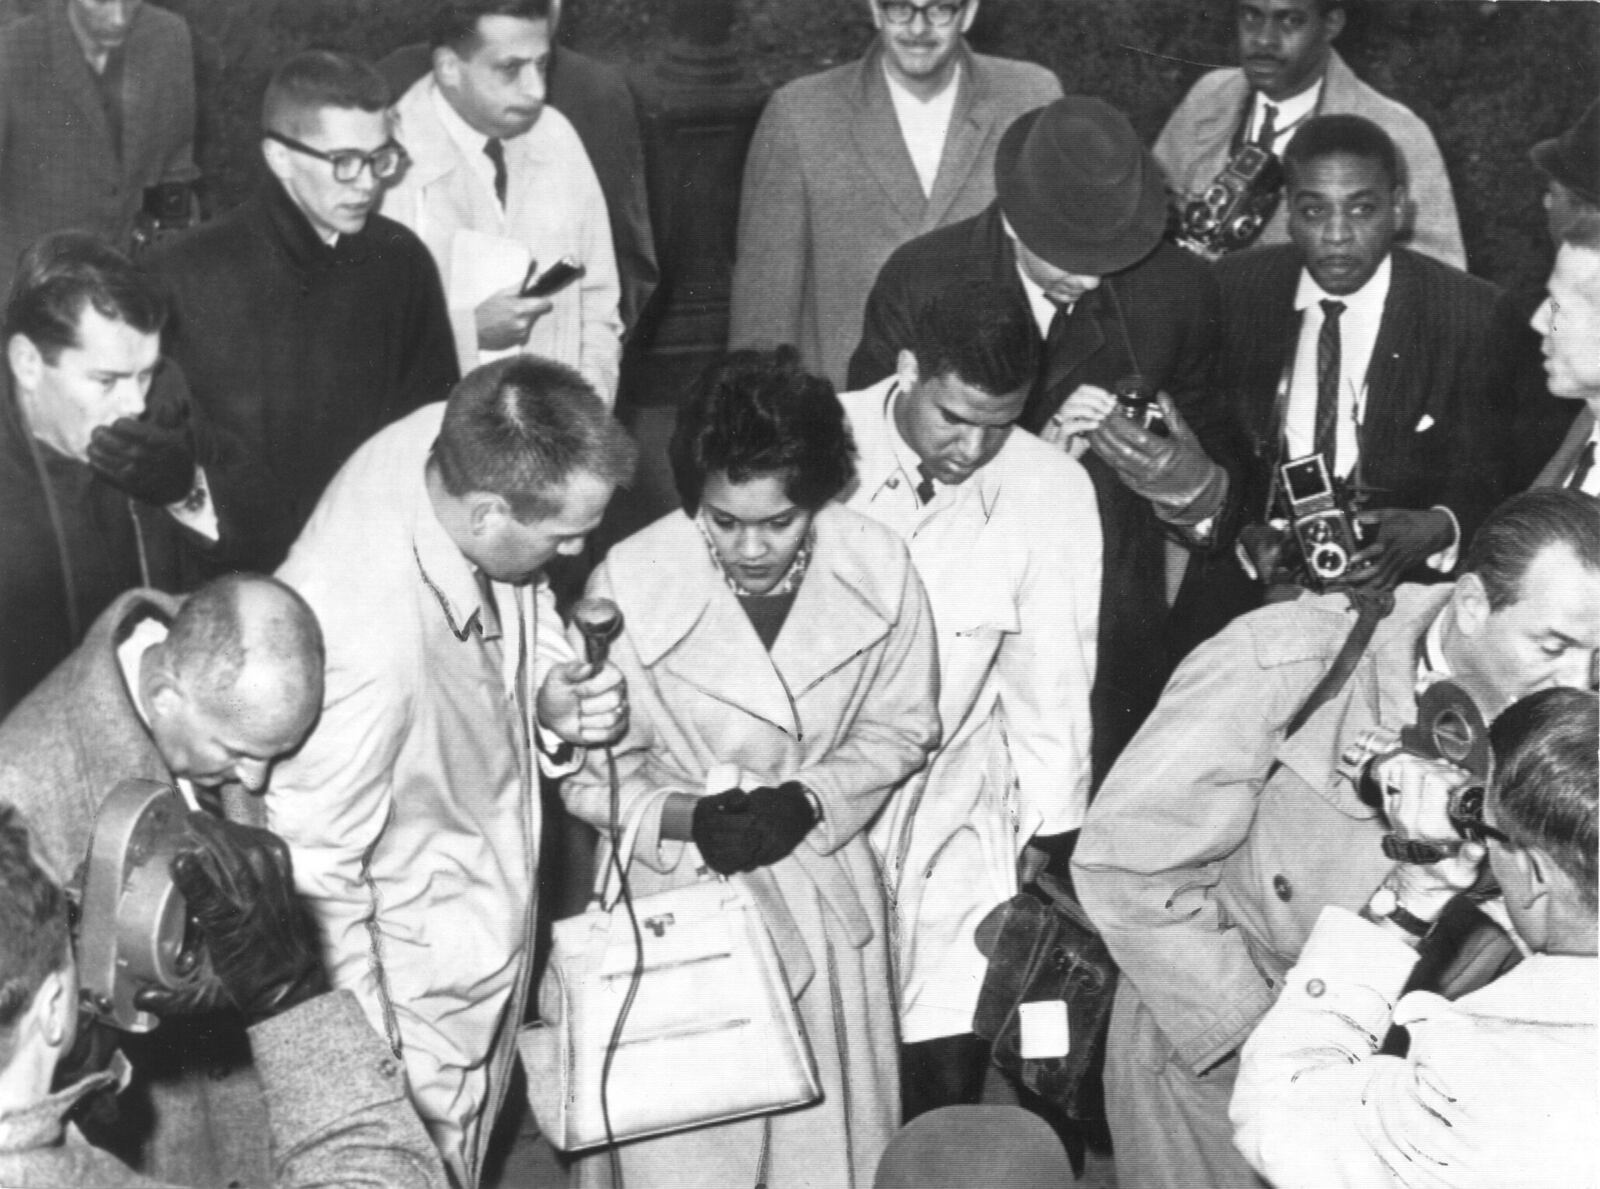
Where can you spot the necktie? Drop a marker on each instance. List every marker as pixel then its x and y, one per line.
pixel 1326 435
pixel 1585 464
pixel 925 486
pixel 496 152
pixel 1269 127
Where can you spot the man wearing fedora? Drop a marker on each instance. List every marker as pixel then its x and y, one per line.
pixel 1077 230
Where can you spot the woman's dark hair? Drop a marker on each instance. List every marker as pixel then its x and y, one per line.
pixel 760 413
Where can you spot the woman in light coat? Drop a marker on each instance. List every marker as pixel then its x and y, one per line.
pixel 780 660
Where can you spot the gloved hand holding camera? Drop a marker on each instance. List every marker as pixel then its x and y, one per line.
pixel 1171 470
pixel 261 946
pixel 740 831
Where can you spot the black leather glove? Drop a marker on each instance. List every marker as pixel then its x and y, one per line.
pixel 723 830
pixel 784 816
pixel 152 457
pixel 239 885
pixel 739 831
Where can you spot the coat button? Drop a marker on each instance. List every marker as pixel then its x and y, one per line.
pixel 1315 988
pixel 386 1067
pixel 894 481
pixel 1283 888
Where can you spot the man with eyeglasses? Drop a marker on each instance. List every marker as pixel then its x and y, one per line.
pixel 1221 834
pixel 1498 1088
pixel 501 190
pixel 849 164
pixel 305 321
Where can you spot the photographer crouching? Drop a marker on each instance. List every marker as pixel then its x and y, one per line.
pixel 335 1095
pixel 1498 1088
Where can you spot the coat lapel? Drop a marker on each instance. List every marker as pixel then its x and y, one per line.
pixel 1392 405
pixel 839 610
pixel 971 123
pixel 76 79
pixel 1083 337
pixel 877 138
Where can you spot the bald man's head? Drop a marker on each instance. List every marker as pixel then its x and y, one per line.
pixel 237 682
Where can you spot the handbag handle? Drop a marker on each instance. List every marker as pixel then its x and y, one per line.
pixel 634 822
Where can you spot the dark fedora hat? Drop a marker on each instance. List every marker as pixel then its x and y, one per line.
pixel 1079 187
pixel 974 1147
pixel 1573 158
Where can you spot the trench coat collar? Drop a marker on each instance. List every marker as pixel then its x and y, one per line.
pixel 697 629
pixel 1382 692
pixel 882 454
pixel 433 152
pixel 449 576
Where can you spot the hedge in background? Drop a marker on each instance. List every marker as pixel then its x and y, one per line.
pixel 1489 78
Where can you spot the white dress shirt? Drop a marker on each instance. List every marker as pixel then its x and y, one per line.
pixel 1291 113
pixel 923 124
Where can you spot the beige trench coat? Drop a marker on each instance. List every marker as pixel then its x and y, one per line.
pixel 846 703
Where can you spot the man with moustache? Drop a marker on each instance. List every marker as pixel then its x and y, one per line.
pixel 849 164
pixel 498 181
pixel 305 321
pixel 1289 72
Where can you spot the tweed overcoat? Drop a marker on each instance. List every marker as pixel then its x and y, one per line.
pixel 62 750
pixel 846 704
pixel 830 191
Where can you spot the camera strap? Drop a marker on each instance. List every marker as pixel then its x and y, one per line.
pixel 1370 608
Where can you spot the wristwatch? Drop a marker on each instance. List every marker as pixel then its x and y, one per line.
pixel 1385 906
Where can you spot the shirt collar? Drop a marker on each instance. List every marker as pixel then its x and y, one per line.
pixel 467 138
pixel 979 486
pixel 1291 110
pixel 1365 302
pixel 41 1124
pixel 450 577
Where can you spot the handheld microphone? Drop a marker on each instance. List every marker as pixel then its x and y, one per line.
pixel 600 621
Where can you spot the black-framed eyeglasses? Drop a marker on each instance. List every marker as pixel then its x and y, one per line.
pixel 939 14
pixel 384 161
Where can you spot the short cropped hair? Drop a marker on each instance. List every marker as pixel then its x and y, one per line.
pixel 981 332
pixel 761 413
pixel 33 926
pixel 1354 136
pixel 455 24
pixel 207 644
pixel 316 79
pixel 1547 780
pixel 1521 528
pixel 521 427
pixel 65 271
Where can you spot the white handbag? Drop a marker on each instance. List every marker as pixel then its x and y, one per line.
pixel 711 1035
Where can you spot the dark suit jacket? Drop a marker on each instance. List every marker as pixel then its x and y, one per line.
pixel 595 98
pixel 58 165
pixel 1558 470
pixel 1449 348
pixel 1169 308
